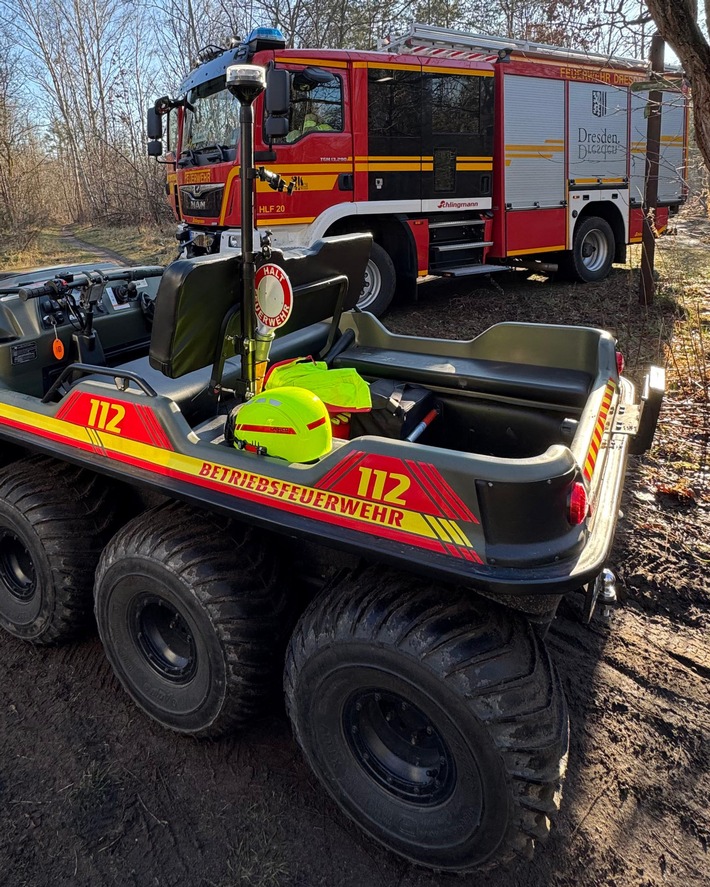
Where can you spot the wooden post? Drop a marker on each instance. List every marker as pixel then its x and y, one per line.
pixel 650 202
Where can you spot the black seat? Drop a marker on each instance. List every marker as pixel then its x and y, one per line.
pixel 546 384
pixel 197 295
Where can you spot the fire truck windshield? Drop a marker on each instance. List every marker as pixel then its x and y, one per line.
pixel 211 119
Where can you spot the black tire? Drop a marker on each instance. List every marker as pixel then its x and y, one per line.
pixel 54 521
pixel 10 453
pixel 480 695
pixel 380 279
pixel 194 613
pixel 592 254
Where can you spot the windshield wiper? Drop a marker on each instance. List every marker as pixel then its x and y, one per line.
pixel 207 149
pixel 187 158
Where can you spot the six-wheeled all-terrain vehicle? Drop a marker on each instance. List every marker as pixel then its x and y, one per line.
pixel 394 518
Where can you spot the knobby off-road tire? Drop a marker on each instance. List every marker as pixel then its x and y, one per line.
pixel 194 613
pixel 54 521
pixel 379 284
pixel 592 253
pixel 436 722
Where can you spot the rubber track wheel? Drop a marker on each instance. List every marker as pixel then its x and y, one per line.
pixel 62 516
pixel 228 583
pixel 492 680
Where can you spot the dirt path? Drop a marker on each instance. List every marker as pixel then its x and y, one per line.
pixel 101 252
pixel 93 793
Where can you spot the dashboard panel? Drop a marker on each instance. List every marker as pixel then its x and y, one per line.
pixel 29 329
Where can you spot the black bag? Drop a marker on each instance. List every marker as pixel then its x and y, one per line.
pixel 397 409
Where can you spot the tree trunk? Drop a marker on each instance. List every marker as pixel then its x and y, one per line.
pixel 677 24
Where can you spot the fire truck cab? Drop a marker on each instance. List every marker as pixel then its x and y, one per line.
pixel 460 154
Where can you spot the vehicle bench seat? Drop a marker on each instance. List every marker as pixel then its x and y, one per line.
pixel 544 384
pixel 190 392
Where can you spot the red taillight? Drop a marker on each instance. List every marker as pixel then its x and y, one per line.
pixel 577 510
pixel 620 362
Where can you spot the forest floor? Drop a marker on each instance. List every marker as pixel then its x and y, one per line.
pixel 93 793
pixel 139 245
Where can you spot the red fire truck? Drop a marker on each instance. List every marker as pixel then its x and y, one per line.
pixel 461 154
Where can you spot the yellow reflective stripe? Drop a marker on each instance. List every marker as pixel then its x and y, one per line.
pixel 455 531
pixel 438 528
pixel 308 183
pixel 392 158
pixel 263 222
pixel 388 66
pixel 325 62
pixel 299 168
pixel 390 167
pixel 225 197
pixel 537 249
pixel 466 72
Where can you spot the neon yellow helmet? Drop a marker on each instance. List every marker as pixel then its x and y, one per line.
pixel 290 423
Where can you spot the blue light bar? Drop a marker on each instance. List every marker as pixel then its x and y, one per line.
pixel 271 38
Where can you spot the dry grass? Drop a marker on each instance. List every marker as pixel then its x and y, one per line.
pixel 258 856
pixel 143 244
pixel 679 457
pixel 42 248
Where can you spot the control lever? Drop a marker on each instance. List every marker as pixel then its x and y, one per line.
pixel 37 290
pixel 90 295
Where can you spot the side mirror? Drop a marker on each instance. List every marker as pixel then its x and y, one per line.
pixel 278 91
pixel 154 124
pixel 155 148
pixel 311 77
pixel 275 127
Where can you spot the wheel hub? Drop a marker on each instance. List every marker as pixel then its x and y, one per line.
pixel 17 570
pixel 399 747
pixel 372 285
pixel 595 250
pixel 164 638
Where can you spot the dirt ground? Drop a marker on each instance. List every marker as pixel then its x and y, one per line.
pixel 93 793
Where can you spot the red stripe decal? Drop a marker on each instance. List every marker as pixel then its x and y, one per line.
pixel 426 485
pixel 317 423
pixel 340 470
pixel 598 431
pixel 284 505
pixel 270 429
pixel 65 406
pixel 464 512
pixel 154 429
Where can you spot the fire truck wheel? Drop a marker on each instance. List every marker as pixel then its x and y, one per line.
pixel 435 721
pixel 380 279
pixel 194 613
pixel 54 521
pixel 592 254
